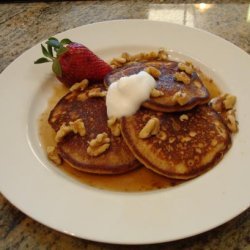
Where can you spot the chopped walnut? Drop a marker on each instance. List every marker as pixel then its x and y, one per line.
pixel 115 126
pixel 162 55
pixel 229 101
pixel 197 84
pixel 183 117
pixel 150 55
pixel 162 135
pixel 138 57
pixel 99 140
pixel 152 127
pixel 98 145
pixel 223 102
pixel 63 131
pixel 231 121
pixel 185 139
pixel 97 92
pixel 156 93
pixel 126 58
pixel 76 126
pixel 190 64
pixel 182 77
pixel 153 71
pixel 187 67
pixel 95 151
pixel 171 139
pixel 119 61
pixel 115 64
pixel 181 98
pixel 192 133
pixel 80 85
pixel 53 155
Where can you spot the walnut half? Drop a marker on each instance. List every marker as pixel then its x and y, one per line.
pixel 152 127
pixel 223 102
pixel 80 85
pixel 153 71
pixel 187 67
pixel 182 77
pixel 119 61
pixel 181 98
pixel 76 126
pixel 156 93
pixel 98 145
pixel 229 101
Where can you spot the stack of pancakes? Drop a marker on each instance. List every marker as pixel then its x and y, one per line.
pixel 192 137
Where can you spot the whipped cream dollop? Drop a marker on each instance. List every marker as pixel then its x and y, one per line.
pixel 126 95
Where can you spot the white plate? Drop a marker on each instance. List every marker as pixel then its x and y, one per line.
pixel 38 189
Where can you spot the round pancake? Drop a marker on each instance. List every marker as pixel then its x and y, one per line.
pixel 73 147
pixel 184 147
pixel 167 84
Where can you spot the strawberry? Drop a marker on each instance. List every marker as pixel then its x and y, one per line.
pixel 73 62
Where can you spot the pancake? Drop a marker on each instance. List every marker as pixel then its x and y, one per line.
pixel 196 93
pixel 72 147
pixel 187 144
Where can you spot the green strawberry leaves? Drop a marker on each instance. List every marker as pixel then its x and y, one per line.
pixel 42 60
pixel 65 41
pixel 54 49
pixel 56 67
pixel 50 49
pixel 46 53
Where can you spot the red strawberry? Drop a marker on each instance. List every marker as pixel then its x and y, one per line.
pixel 73 62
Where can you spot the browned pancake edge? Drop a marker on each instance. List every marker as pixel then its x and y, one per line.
pixel 167 84
pixel 73 147
pixel 149 151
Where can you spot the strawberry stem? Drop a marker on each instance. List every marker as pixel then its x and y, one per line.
pixel 53 46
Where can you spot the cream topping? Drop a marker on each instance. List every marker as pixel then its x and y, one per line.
pixel 125 96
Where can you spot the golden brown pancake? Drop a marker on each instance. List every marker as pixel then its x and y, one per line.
pixel 167 84
pixel 73 147
pixel 185 147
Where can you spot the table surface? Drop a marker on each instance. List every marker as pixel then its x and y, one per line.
pixel 24 24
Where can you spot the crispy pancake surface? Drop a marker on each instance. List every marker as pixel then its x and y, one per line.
pixel 73 147
pixel 185 146
pixel 167 84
